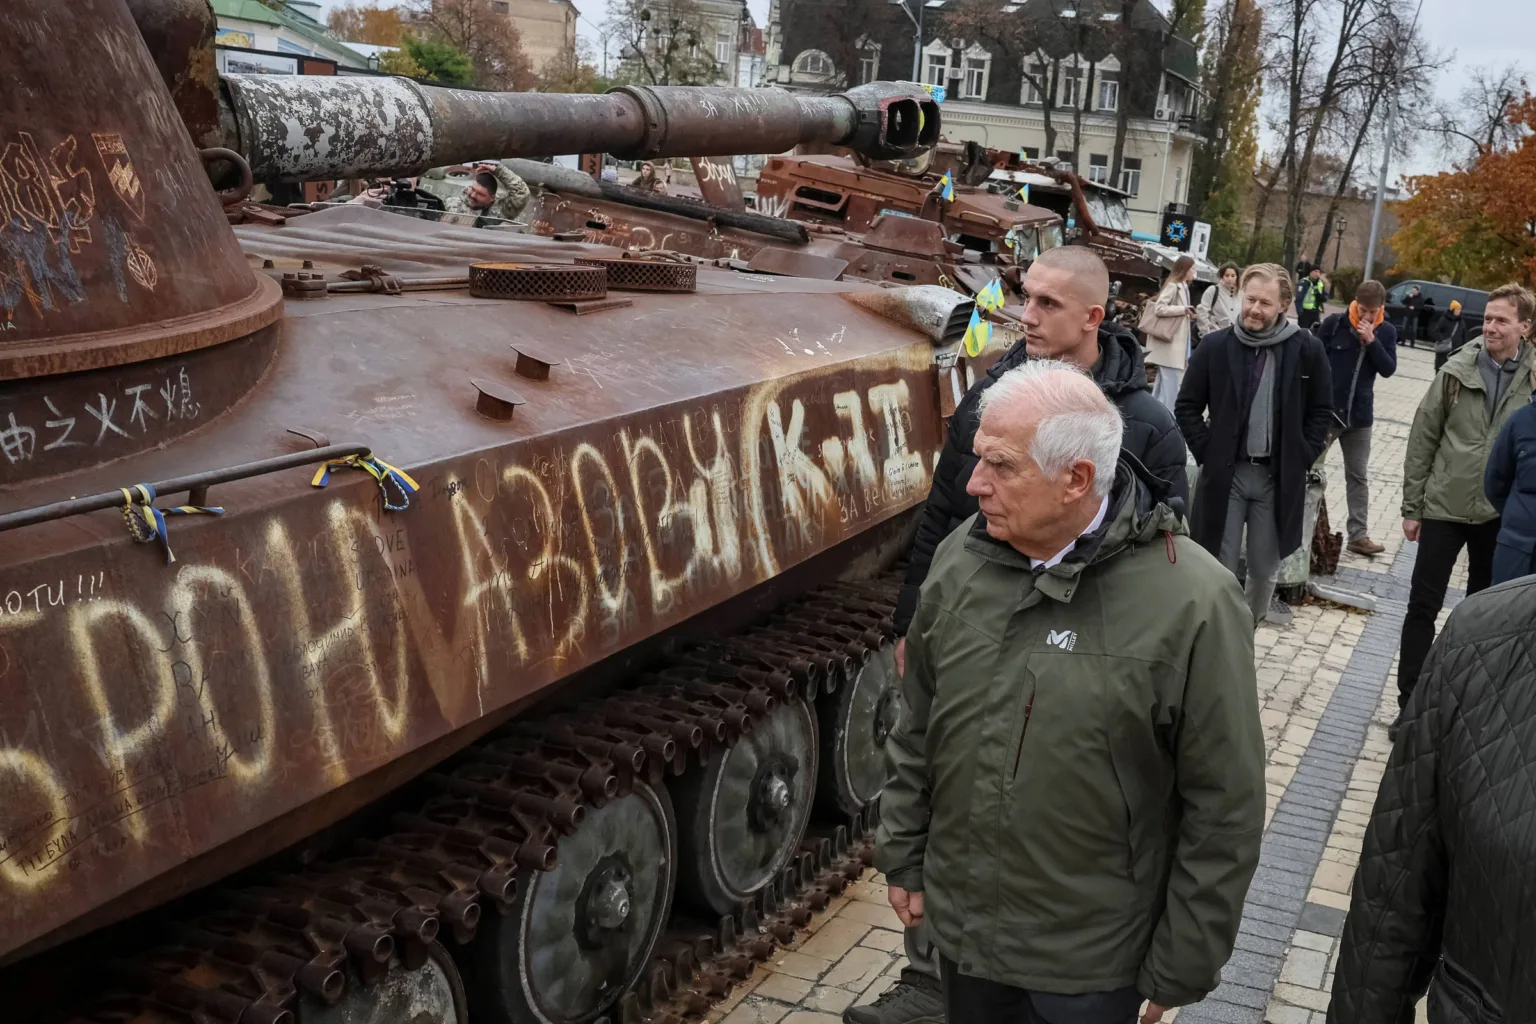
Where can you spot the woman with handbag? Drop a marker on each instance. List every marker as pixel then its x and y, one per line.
pixel 1165 326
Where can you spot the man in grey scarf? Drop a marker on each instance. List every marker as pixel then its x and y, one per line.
pixel 1255 408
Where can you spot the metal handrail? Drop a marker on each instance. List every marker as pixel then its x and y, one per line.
pixel 196 485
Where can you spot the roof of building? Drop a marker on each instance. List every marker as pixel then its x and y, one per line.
pixel 297 21
pixel 370 50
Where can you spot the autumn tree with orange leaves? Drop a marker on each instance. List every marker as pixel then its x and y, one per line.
pixel 1475 225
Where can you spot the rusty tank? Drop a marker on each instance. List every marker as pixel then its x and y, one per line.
pixel 404 621
pixel 817 216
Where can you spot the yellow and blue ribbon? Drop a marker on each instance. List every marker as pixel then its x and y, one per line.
pixel 946 188
pixel 381 471
pixel 146 523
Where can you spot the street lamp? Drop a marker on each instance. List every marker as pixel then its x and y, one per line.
pixel 917 24
pixel 1338 244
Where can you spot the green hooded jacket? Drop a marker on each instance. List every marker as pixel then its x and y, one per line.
pixel 1077 780
pixel 1453 435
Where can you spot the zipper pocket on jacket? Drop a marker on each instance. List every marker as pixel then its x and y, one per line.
pixel 1468 992
pixel 1029 709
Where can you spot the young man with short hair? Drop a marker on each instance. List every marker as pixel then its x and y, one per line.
pixel 1361 346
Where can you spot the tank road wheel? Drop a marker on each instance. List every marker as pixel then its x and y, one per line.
pixel 742 814
pixel 582 934
pixel 432 994
pixel 856 719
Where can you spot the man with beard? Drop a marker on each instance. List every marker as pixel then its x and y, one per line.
pixel 1255 409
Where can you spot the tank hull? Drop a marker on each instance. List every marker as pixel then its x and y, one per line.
pixel 155 713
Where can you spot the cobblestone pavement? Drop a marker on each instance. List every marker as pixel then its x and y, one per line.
pixel 1327 691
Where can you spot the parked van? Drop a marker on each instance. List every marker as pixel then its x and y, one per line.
pixel 1437 299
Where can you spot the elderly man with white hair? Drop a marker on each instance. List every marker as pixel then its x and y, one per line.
pixel 1076 794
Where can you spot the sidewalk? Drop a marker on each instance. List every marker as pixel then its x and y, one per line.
pixel 1327 691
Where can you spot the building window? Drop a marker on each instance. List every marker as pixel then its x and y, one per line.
pixel 1034 77
pixel 1030 152
pixel 937 69
pixel 1109 93
pixel 869 60
pixel 1065 156
pixel 1071 88
pixel 500 6
pixel 1130 175
pixel 814 64
pixel 722 48
pixel 869 67
pixel 1098 168
pixel 976 65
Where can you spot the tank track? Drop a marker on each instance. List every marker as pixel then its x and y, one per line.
pixel 498 811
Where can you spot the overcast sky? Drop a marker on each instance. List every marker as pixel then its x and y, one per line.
pixel 1490 33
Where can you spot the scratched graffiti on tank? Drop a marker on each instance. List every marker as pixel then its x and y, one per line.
pixel 49 203
pixel 279 659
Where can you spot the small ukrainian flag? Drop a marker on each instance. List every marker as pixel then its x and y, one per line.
pixel 1024 192
pixel 947 187
pixel 991 296
pixel 977 334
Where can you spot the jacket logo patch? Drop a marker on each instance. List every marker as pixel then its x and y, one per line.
pixel 1066 639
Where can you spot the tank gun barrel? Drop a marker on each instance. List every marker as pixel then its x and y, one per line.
pixel 307 128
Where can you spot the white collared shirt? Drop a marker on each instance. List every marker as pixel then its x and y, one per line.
pixel 1098 520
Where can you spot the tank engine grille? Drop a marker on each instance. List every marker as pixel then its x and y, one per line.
pixel 632 275
pixel 537 282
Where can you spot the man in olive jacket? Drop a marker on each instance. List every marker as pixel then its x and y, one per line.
pixel 1444 508
pixel 1076 795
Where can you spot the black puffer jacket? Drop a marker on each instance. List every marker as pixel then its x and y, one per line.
pixel 1445 897
pixel 1151 437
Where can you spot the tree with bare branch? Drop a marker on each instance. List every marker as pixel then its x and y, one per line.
pixel 662 42
pixel 1394 61
pixel 1482 117
pixel 1033 39
pixel 487 37
pixel 1345 72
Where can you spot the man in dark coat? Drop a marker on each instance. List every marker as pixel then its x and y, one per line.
pixel 1413 305
pixel 1255 408
pixel 1361 346
pixel 1063 318
pixel 1443 899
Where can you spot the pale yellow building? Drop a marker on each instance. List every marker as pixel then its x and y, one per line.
pixel 548 27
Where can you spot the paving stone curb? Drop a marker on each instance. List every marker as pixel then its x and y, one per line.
pixel 1304 819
